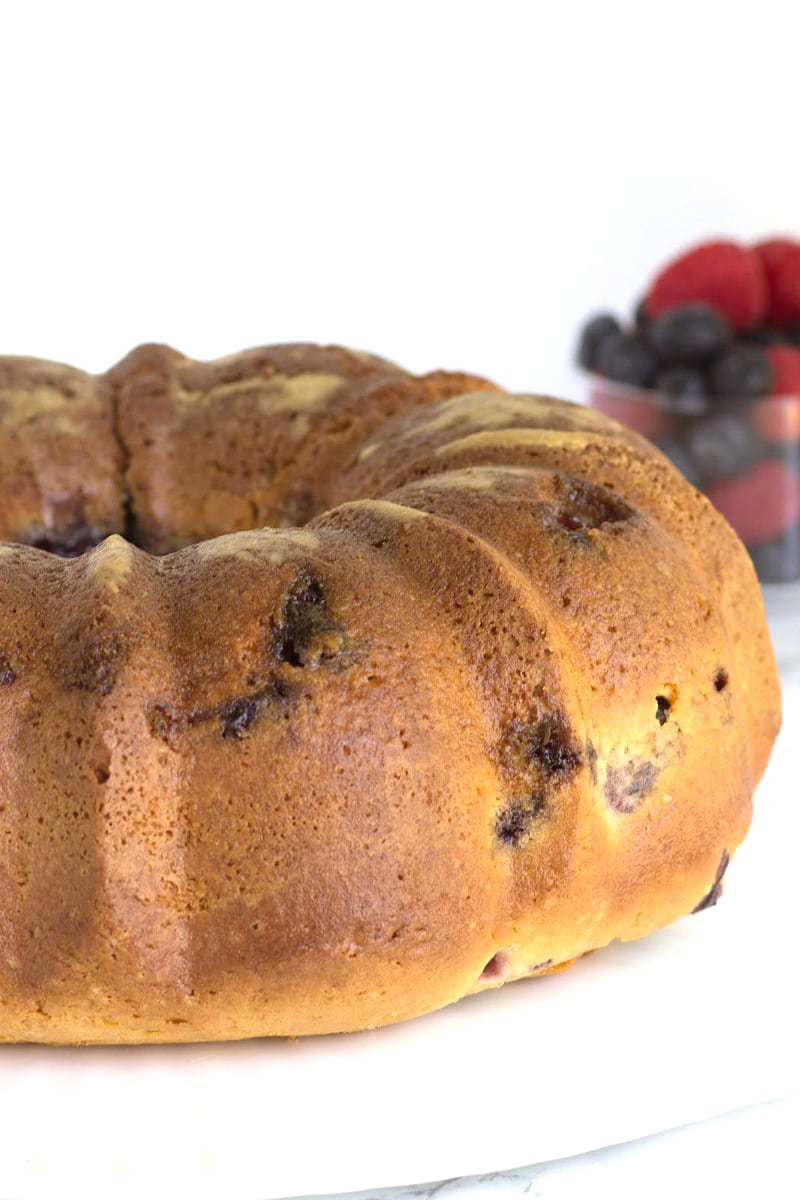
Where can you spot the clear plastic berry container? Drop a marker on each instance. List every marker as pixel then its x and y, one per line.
pixel 743 454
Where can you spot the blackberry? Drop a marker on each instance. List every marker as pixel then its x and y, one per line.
pixel 626 358
pixel 680 457
pixel 691 333
pixel 594 334
pixel 640 318
pixel 743 372
pixel 685 388
pixel 765 335
pixel 722 445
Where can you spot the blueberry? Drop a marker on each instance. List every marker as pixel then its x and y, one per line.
pixel 722 445
pixel 684 388
pixel 238 715
pixel 640 318
pixel 743 372
pixel 764 335
pixel 692 333
pixel 680 457
pixel 594 334
pixel 7 673
pixel 627 786
pixel 626 358
pixel 778 561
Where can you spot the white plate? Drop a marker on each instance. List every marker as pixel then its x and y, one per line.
pixel 694 1021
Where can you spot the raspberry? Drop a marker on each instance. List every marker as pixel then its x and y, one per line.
pixel 777 417
pixel 785 362
pixel 780 260
pixel 723 274
pixel 761 504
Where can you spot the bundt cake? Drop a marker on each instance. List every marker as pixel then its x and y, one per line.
pixel 330 694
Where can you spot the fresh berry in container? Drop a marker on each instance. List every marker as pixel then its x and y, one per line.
pixel 707 366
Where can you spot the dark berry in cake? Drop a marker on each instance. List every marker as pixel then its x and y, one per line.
pixel 692 333
pixel 722 444
pixel 626 358
pixel 594 334
pixel 741 373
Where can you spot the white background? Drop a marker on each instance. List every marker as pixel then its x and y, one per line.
pixel 448 184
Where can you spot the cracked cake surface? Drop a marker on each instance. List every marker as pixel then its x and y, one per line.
pixel 330 694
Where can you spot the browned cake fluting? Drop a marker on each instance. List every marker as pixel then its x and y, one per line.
pixel 493 689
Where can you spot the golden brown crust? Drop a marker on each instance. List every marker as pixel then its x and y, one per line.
pixel 60 463
pixel 490 709
pixel 265 431
pixel 239 422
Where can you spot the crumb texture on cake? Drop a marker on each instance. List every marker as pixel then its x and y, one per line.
pixel 330 694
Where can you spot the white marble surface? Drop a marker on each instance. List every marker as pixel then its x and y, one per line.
pixel 747 1153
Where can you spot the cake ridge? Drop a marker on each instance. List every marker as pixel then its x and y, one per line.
pixel 394 691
